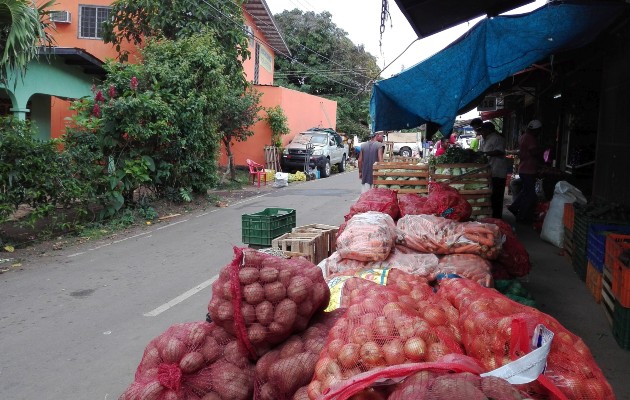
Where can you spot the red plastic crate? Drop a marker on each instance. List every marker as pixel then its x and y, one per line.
pixel 621 282
pixel 568 216
pixel 594 282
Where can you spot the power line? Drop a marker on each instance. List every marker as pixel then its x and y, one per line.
pixel 299 44
pixel 236 23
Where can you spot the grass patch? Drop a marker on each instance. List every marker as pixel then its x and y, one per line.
pixel 242 179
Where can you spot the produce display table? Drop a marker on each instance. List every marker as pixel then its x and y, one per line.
pixel 471 180
pixel 402 177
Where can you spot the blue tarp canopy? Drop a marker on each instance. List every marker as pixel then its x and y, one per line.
pixel 437 89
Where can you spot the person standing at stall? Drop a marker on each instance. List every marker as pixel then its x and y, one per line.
pixel 529 154
pixel 371 152
pixel 493 147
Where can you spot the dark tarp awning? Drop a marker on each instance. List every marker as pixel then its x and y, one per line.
pixel 431 16
pixel 437 89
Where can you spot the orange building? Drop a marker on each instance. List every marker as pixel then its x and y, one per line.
pixel 78 26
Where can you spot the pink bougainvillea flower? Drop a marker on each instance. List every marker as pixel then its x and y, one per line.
pixel 96 111
pixel 134 83
pixel 112 91
pixel 99 97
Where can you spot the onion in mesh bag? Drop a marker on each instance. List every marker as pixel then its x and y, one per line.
pixel 262 299
pixel 192 360
pixel 289 367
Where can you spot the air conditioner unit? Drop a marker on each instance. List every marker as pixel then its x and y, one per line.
pixel 60 16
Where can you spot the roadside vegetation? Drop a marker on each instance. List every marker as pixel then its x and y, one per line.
pixel 152 130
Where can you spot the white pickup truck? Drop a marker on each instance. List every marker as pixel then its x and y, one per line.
pixel 406 144
pixel 322 146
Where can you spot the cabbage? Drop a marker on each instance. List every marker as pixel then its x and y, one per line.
pixel 457 171
pixel 458 186
pixel 394 186
pixel 475 186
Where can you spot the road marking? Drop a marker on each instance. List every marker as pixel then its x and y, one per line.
pixel 181 297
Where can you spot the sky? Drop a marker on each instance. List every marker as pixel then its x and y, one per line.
pixel 361 19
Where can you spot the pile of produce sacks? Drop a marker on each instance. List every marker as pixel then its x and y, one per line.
pixel 259 302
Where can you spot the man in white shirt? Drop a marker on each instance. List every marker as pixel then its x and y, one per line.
pixel 493 147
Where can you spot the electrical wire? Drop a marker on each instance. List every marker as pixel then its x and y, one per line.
pixel 238 24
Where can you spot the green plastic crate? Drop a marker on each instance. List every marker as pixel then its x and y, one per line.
pixel 262 227
pixel 621 325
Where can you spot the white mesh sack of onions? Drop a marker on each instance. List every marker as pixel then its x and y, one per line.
pixel 195 360
pixel 285 371
pixel 496 331
pixel 378 330
pixel 263 299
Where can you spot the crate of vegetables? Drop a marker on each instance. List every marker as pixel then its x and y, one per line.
pixel 402 177
pixel 472 180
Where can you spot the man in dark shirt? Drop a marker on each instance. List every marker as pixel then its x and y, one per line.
pixel 371 152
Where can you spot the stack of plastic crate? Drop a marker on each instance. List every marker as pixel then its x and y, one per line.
pixel 616 287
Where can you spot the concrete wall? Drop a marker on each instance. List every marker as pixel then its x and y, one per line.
pixel 303 111
pixel 613 139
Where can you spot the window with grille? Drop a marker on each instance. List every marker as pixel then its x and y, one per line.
pixel 256 63
pixel 91 20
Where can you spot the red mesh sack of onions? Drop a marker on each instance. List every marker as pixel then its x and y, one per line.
pixel 376 199
pixel 469 266
pixel 445 201
pixel 422 264
pixel 377 330
pixel 492 324
pixel 437 235
pixel 513 259
pixel 439 385
pixel 263 299
pixel 411 203
pixel 284 372
pixel 369 236
pixel 196 360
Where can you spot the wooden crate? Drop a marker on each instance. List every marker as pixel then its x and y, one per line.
pixel 311 245
pixel 479 199
pixel 329 232
pixel 410 176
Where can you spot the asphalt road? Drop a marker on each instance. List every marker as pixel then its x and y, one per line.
pixel 75 325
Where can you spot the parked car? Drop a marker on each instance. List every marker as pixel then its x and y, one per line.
pixel 322 147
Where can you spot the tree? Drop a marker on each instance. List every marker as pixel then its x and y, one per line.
pixel 157 123
pixel 326 63
pixel 136 21
pixel 238 114
pixel 324 60
pixel 277 121
pixel 23 29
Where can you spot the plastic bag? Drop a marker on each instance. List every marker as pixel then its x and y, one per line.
pixel 192 360
pixel 553 227
pixel 431 234
pixel 446 201
pixel 263 299
pixel 495 330
pixel 469 266
pixel 376 199
pixel 369 236
pixel 513 261
pixel 422 264
pixel 411 203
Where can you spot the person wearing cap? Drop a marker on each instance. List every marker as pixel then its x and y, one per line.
pixel 493 147
pixel 371 152
pixel 529 153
